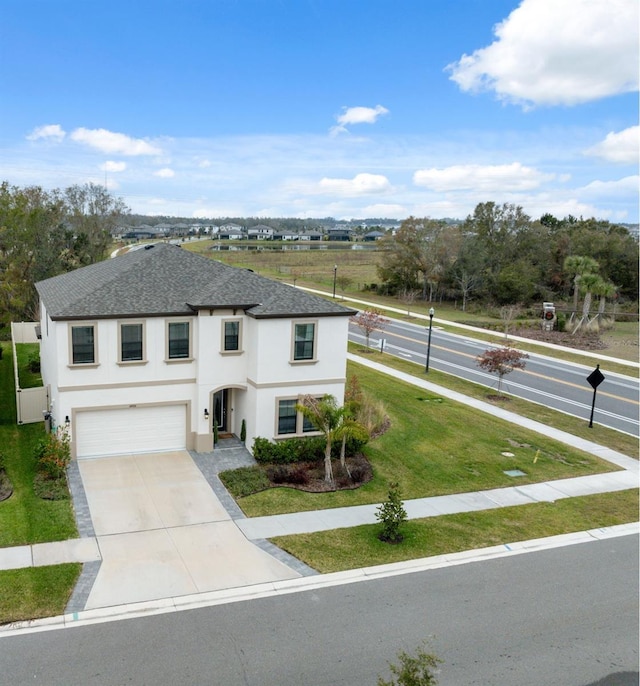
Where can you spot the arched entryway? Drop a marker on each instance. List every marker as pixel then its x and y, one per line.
pixel 228 405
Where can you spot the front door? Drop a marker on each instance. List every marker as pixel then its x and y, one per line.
pixel 220 404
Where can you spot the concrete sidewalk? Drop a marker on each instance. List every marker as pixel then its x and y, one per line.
pixel 341 517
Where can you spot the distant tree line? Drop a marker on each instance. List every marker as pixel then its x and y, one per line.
pixel 500 256
pixel 46 233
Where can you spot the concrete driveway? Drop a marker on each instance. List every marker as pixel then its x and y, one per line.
pixel 162 532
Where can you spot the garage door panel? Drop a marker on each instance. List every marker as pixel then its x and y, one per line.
pixel 130 430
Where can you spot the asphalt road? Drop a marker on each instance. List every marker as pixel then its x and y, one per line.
pixel 561 617
pixel 545 380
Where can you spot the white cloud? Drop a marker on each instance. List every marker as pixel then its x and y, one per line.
pixel 563 206
pixel 219 211
pixel 114 143
pixel 165 173
pixel 385 210
pixel 204 164
pixel 360 184
pixel 622 146
pixel 111 166
pixel 489 178
pixel 358 115
pixel 557 52
pixel 51 131
pixel 628 186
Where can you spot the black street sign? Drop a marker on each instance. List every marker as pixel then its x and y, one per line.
pixel 595 379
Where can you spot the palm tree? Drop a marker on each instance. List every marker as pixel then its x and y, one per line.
pixel 326 417
pixel 606 290
pixel 577 266
pixel 335 423
pixel 589 283
pixel 349 428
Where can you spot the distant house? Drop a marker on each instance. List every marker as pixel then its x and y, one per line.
pixel 137 233
pixel 230 232
pixel 286 236
pixel 260 232
pixel 146 351
pixel 373 236
pixel 310 236
pixel 341 233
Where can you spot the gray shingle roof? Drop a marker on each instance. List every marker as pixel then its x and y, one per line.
pixel 167 280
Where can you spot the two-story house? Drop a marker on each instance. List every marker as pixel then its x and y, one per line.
pixel 260 232
pixel 144 352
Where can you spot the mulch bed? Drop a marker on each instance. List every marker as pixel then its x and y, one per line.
pixel 580 341
pixel 6 488
pixel 309 476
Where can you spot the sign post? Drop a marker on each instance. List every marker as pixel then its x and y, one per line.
pixel 595 379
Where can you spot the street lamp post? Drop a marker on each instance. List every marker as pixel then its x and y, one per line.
pixel 335 274
pixel 431 313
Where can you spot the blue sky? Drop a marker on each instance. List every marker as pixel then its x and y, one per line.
pixel 316 108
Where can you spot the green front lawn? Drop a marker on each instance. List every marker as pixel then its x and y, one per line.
pixel 356 547
pixel 616 440
pixel 25 518
pixel 36 591
pixel 435 447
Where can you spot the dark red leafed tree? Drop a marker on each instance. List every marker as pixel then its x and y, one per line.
pixel 501 361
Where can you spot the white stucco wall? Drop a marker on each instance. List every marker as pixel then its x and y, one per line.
pixel 260 374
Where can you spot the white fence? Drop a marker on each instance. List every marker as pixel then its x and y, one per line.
pixel 31 403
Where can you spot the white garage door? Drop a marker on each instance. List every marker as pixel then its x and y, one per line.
pixel 130 430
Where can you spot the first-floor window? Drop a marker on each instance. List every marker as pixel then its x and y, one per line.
pixel 307 425
pixel 178 340
pixel 287 416
pixel 82 345
pixel 291 420
pixel 303 341
pixel 131 342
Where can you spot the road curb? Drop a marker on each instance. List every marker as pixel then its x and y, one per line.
pixel 234 595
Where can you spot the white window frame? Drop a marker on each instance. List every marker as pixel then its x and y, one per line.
pixel 133 322
pixel 83 325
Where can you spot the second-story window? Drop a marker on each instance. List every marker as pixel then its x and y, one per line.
pixel 304 341
pixel 131 342
pixel 178 334
pixel 83 349
pixel 231 341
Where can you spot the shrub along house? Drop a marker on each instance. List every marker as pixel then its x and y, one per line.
pixel 144 352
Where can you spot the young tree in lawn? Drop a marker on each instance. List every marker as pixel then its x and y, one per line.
pixel 508 313
pixel 408 297
pixel 501 361
pixel 369 320
pixel 343 282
